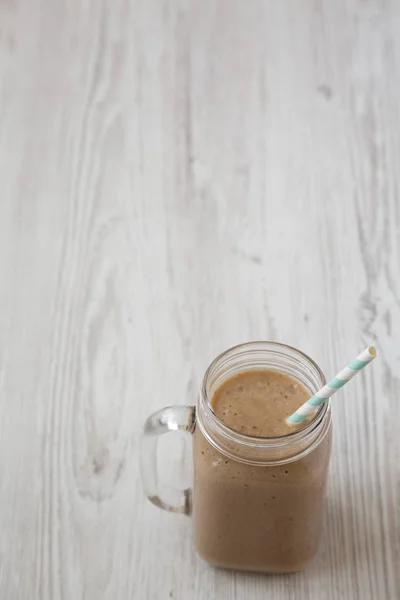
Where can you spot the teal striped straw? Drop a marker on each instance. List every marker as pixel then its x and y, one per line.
pixel 362 360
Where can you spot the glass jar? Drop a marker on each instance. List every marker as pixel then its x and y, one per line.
pixel 257 503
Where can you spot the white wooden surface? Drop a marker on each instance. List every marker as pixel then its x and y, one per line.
pixel 177 176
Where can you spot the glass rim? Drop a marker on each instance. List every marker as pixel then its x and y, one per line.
pixel 259 441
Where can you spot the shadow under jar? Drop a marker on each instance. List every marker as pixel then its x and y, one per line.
pixel 257 502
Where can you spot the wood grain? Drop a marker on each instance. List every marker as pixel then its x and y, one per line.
pixel 176 177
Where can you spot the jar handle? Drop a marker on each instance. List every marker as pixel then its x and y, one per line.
pixel 172 418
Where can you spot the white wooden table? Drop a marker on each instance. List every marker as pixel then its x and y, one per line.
pixel 177 176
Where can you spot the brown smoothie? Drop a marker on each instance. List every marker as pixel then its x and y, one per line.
pixel 258 518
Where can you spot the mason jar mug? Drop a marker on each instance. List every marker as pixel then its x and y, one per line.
pixel 257 503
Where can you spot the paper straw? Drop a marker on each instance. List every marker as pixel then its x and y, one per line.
pixel 332 387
